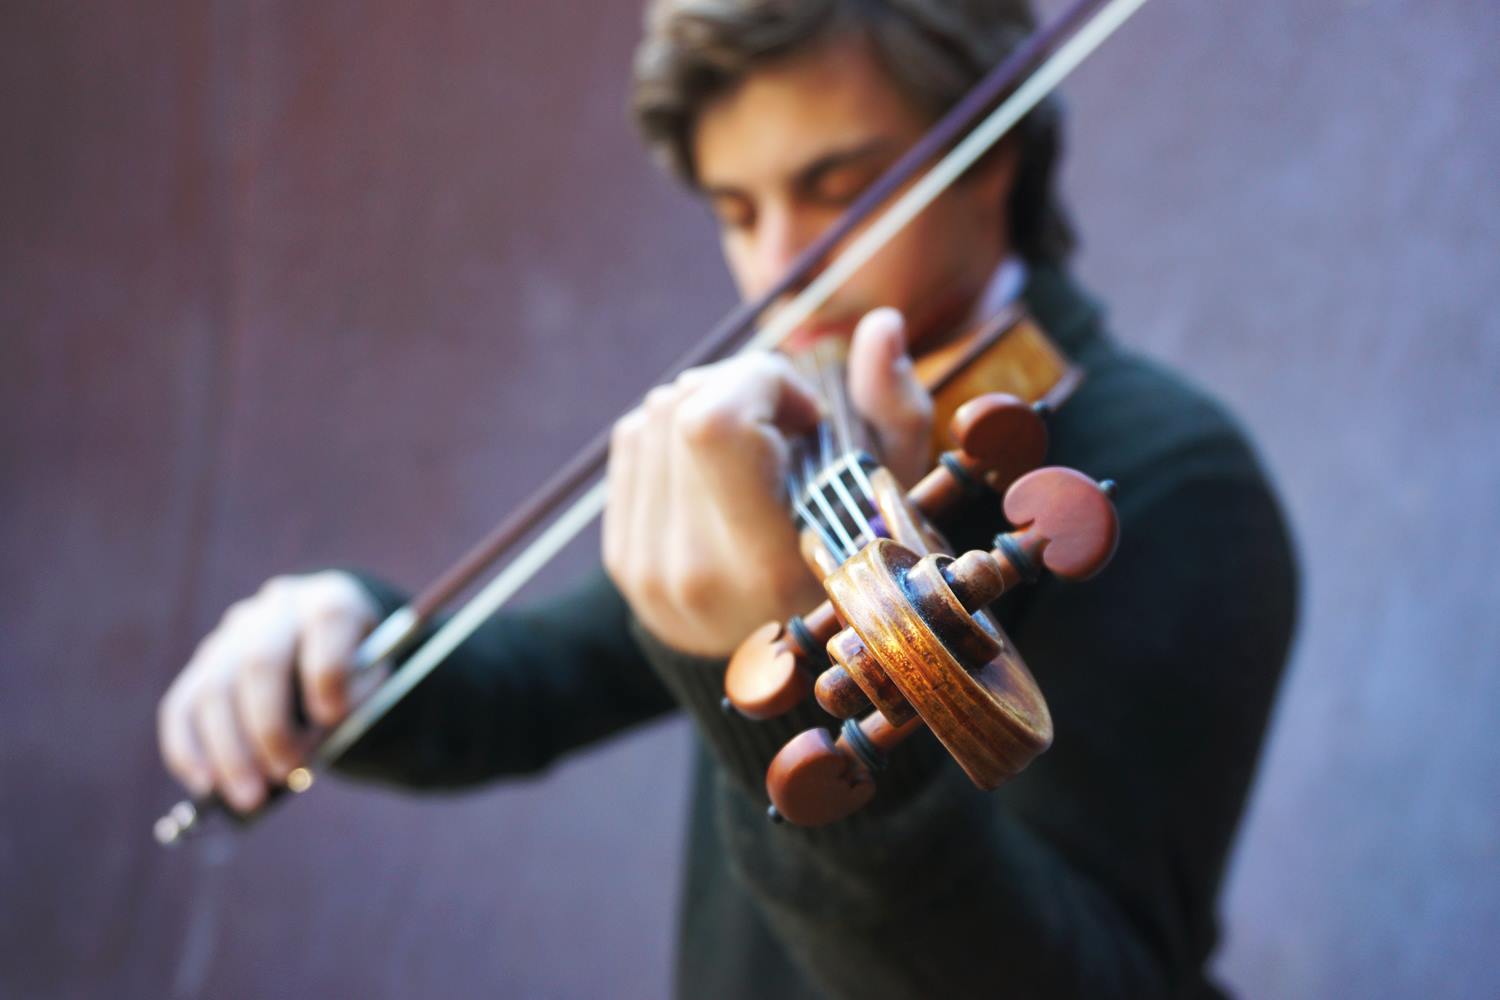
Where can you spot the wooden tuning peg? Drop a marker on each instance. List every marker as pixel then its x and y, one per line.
pixel 1066 524
pixel 773 670
pixel 1066 519
pixel 999 438
pixel 815 780
pixel 1006 436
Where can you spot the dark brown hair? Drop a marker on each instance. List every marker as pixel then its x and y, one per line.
pixel 934 50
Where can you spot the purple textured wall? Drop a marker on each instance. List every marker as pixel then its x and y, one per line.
pixel 289 284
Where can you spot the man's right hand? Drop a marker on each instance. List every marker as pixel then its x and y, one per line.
pixel 228 722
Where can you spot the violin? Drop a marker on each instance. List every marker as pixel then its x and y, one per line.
pixel 904 624
pixel 904 638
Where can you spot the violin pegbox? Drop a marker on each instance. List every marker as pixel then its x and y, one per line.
pixel 998 436
pixel 920 649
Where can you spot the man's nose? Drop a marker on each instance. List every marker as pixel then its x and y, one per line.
pixel 780 239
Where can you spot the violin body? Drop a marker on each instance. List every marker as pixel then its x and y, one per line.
pixel 1007 354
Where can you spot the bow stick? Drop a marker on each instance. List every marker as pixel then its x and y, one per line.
pixel 1018 84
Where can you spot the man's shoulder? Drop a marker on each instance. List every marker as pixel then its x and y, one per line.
pixel 1132 418
pixel 1138 422
pixel 1192 490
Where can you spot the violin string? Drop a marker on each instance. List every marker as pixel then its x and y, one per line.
pixel 809 464
pixel 812 521
pixel 858 448
pixel 866 488
pixel 799 480
pixel 815 484
pixel 830 526
pixel 852 450
pixel 835 522
pixel 828 476
pixel 809 488
pixel 834 372
pixel 793 476
pixel 802 472
pixel 836 480
pixel 831 372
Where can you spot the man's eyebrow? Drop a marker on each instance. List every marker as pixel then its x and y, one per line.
pixel 806 176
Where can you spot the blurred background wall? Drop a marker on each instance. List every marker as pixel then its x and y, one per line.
pixel 289 284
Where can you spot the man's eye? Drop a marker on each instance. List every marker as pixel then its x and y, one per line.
pixel 840 186
pixel 733 213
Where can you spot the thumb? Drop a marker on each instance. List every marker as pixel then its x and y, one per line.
pixel 887 394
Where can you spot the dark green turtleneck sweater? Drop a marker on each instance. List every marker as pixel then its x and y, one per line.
pixel 1094 873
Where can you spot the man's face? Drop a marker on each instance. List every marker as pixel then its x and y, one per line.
pixel 783 154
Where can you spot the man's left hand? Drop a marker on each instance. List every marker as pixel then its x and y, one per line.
pixel 696 530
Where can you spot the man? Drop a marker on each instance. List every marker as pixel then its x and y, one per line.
pixel 1093 873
